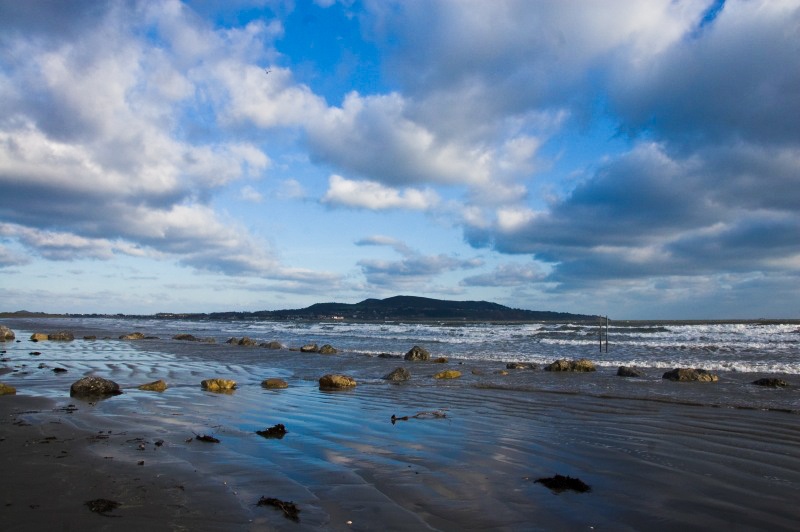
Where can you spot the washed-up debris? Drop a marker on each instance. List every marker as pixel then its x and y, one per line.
pixel 561 483
pixel 436 414
pixel 206 438
pixel 278 431
pixel 289 509
pixel 102 506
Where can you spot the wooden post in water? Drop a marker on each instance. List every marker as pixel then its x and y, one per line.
pixel 600 332
pixel 606 333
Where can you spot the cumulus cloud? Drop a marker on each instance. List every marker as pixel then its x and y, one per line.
pixel 374 196
pixel 413 270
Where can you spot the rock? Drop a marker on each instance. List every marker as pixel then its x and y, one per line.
pixel 561 483
pixel 156 386
pixel 6 334
pixel 629 371
pixel 441 360
pixel 5 389
pixel 690 374
pixel 274 384
pixel 771 382
pixel 39 337
pixel 91 337
pixel 571 365
pixel 278 431
pixel 59 370
pixel 309 348
pixel 327 349
pixel 398 375
pixel 501 372
pixel 94 387
pixel 521 365
pixel 193 338
pixel 336 382
pixel 232 340
pixel 417 353
pixel 248 342
pixel 272 345
pixel 218 385
pixel 388 355
pixel 448 374
pixel 132 336
pixel 61 336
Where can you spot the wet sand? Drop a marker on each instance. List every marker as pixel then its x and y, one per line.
pixel 471 466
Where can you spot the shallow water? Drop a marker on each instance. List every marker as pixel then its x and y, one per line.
pixel 657 454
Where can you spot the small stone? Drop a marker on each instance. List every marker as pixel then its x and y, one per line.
pixel 336 382
pixel 448 374
pixel 520 365
pixel 156 386
pixel 274 384
pixel 218 385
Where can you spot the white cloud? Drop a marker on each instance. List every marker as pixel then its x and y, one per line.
pixel 374 196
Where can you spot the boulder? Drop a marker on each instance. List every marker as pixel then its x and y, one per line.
pixel 61 336
pixel 218 385
pixel 39 337
pixel 417 353
pixel 6 334
pixel 629 371
pixel 156 386
pixel 690 374
pixel 274 384
pixel 94 387
pixel 327 349
pixel 571 365
pixel 389 355
pixel 272 345
pixel 448 374
pixel 193 338
pixel 249 342
pixel 521 365
pixel 132 336
pixel 336 382
pixel 309 348
pixel 5 389
pixel 771 382
pixel 398 375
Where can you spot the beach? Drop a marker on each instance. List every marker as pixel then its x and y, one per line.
pixel 463 454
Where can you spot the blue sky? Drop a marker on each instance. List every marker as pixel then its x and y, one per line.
pixel 636 159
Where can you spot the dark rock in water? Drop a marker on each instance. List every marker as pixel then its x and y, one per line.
pixel 441 360
pixel 249 342
pixel 102 506
pixel 398 375
pixel 417 353
pixel 6 334
pixel 218 385
pixel 771 382
pixel 278 431
pixel 521 365
pixel 336 382
pixel 35 353
pixel 271 345
pixel 193 338
pixel 561 483
pixel 132 336
pixel 59 370
pixel 156 386
pixel 309 348
pixel 232 340
pixel 629 371
pixel 94 387
pixel 91 337
pixel 571 365
pixel 690 374
pixel 388 355
pixel 327 349
pixel 274 384
pixel 61 336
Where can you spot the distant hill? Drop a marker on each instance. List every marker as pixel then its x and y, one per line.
pixel 409 308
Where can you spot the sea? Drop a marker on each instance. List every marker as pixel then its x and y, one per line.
pixel 737 352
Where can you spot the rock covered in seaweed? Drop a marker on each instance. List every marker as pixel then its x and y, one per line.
pixel 690 375
pixel 417 353
pixel 580 365
pixel 271 345
pixel 193 338
pixel 218 385
pixel 155 386
pixel 93 386
pixel 448 374
pixel 132 336
pixel 309 348
pixel 327 349
pixel 274 384
pixel 521 365
pixel 770 382
pixel 6 389
pixel 336 382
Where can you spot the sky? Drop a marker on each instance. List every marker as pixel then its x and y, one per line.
pixel 634 159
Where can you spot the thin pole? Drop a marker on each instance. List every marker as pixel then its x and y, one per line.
pixel 600 333
pixel 606 333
